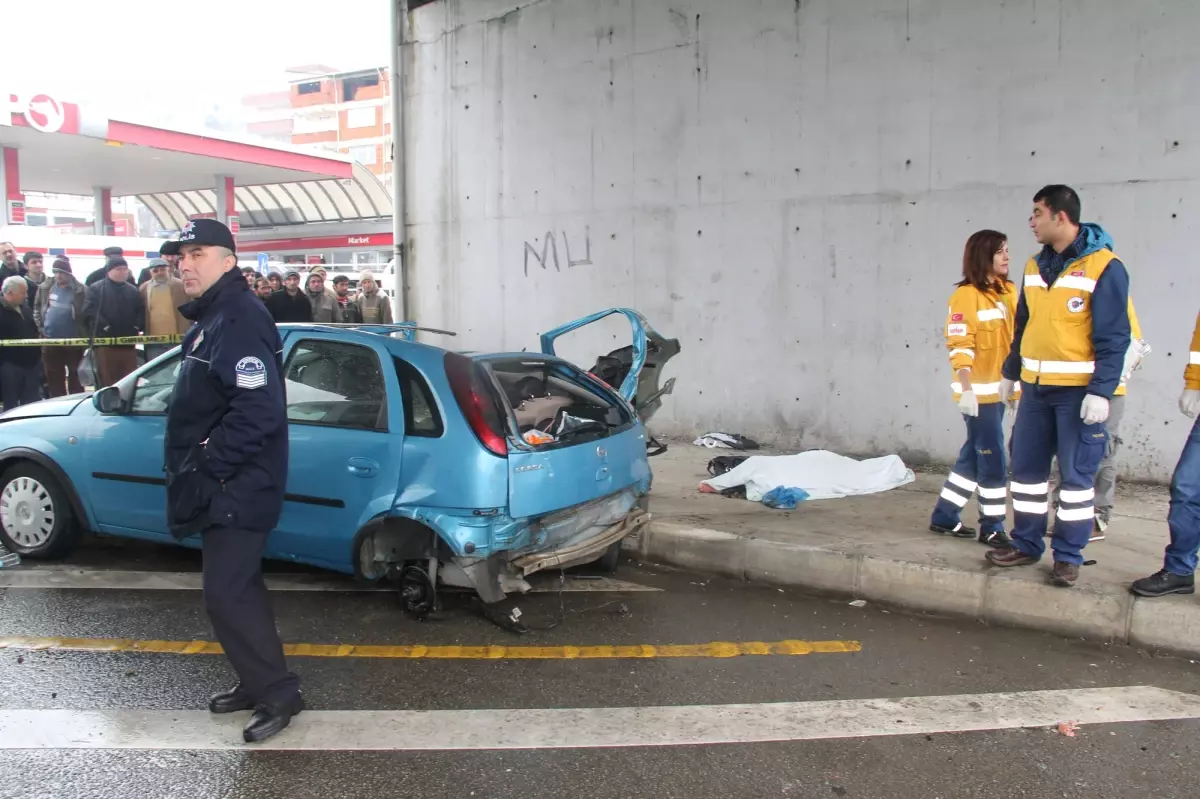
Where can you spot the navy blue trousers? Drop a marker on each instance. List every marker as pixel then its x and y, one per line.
pixel 1184 516
pixel 981 466
pixel 1048 423
pixel 235 596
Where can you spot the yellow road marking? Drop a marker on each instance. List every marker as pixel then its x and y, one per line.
pixel 714 649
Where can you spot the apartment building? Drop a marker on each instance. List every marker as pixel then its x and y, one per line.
pixel 348 112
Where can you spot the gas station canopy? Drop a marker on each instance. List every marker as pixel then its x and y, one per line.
pixel 62 148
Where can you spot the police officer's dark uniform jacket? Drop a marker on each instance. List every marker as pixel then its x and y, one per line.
pixel 227 438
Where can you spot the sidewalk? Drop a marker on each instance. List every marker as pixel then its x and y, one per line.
pixel 878 548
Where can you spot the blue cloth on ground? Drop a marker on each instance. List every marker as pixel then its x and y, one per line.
pixel 784 498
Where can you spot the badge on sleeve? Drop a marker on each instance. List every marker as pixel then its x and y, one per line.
pixel 956 317
pixel 250 373
pixel 956 330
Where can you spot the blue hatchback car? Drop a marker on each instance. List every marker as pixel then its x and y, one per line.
pixel 407 461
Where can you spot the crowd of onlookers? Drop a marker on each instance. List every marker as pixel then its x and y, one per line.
pixel 111 303
pixel 316 302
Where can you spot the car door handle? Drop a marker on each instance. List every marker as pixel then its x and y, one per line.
pixel 362 467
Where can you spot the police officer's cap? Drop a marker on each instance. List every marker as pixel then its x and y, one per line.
pixel 205 232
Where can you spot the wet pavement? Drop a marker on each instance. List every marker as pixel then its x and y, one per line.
pixel 901 656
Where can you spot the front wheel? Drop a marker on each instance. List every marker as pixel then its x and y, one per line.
pixel 36 520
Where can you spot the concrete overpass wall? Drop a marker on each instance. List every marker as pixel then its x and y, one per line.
pixel 786 186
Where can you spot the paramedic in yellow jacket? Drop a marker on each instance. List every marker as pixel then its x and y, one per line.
pixel 1069 344
pixel 1179 564
pixel 1106 475
pixel 979 331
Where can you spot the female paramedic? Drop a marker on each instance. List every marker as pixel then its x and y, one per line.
pixel 979 332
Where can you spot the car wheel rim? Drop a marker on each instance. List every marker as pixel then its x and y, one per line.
pixel 27 512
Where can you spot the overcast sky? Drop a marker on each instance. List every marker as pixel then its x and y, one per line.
pixel 152 57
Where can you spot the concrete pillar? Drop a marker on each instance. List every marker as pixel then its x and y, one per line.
pixel 227 203
pixel 10 182
pixel 102 210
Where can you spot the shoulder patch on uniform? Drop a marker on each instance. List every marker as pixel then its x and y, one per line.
pixel 1075 304
pixel 250 373
pixel 956 317
pixel 956 330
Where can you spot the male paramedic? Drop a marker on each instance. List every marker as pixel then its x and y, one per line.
pixel 1069 345
pixel 1179 565
pixel 226 453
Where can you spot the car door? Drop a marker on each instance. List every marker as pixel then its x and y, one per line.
pixel 127 485
pixel 345 443
pixel 635 371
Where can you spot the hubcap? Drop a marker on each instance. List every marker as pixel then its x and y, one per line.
pixel 27 512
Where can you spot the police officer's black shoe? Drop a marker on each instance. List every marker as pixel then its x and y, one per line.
pixel 230 701
pixel 270 718
pixel 1163 583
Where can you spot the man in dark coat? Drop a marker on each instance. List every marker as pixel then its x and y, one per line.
pixel 291 304
pixel 114 308
pixel 226 458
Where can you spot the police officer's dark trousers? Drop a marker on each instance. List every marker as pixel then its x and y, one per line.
pixel 1048 423
pixel 235 596
pixel 982 467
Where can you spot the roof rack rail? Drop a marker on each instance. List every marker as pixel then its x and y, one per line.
pixel 396 327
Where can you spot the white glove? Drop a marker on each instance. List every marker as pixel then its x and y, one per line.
pixel 968 405
pixel 1138 350
pixel 1007 389
pixel 1094 410
pixel 1189 402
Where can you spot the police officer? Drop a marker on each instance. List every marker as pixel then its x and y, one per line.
pixel 226 452
pixel 1068 351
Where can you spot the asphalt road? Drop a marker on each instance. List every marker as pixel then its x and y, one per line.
pixel 900 656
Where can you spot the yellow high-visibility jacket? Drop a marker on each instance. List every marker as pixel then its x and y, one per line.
pixel 979 333
pixel 1191 372
pixel 1056 347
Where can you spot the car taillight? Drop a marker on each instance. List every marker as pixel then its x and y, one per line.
pixel 476 402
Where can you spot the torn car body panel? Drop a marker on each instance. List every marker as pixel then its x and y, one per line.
pixel 635 371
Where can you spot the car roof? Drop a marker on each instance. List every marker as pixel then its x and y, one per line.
pixel 403 347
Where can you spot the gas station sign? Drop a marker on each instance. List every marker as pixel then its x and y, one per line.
pixel 38 111
pixel 16 212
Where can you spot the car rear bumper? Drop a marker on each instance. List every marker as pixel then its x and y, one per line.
pixel 582 551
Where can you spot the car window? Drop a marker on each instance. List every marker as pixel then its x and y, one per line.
pixel 421 415
pixel 336 384
pixel 553 399
pixel 153 389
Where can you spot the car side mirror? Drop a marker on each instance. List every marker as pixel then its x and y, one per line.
pixel 108 400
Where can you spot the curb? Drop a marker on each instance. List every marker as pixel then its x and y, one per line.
pixel 1094 611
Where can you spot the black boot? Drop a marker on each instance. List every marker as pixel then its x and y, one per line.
pixel 270 718
pixel 230 701
pixel 1163 583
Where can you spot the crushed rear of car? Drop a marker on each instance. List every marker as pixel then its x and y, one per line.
pixel 572 451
